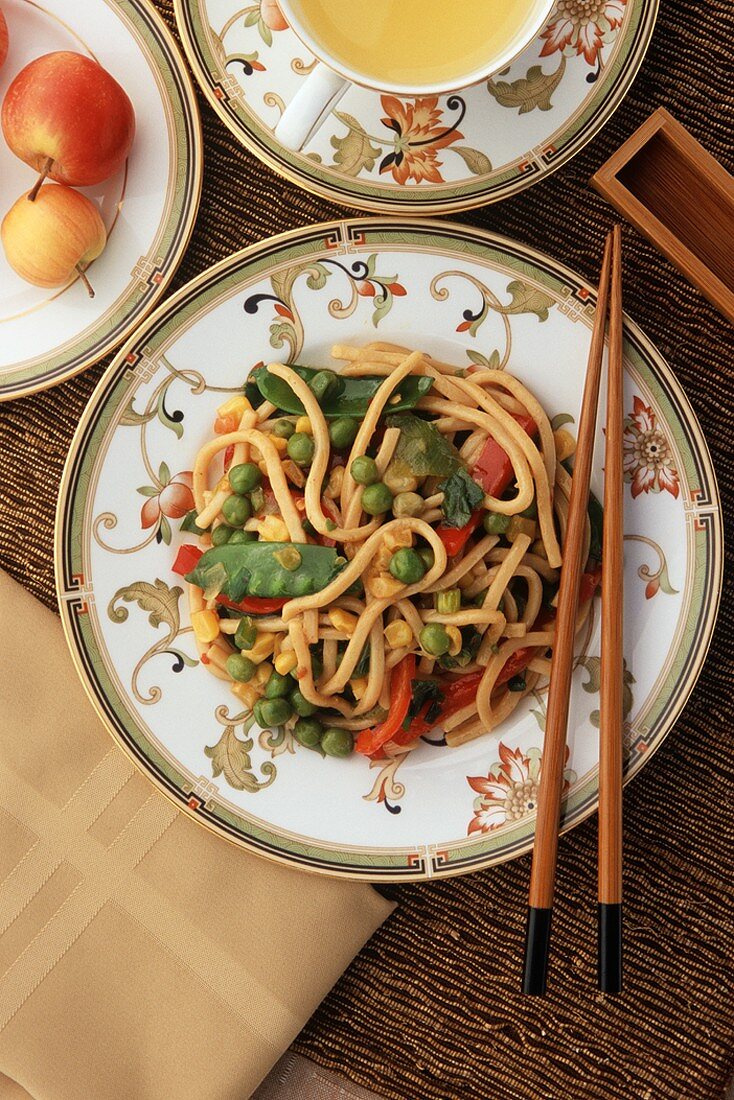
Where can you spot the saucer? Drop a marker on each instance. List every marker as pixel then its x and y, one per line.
pixel 423 154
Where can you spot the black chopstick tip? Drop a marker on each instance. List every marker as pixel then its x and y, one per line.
pixel 609 969
pixel 537 945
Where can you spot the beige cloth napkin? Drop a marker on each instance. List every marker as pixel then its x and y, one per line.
pixel 140 955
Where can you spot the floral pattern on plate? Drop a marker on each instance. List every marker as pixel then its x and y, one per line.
pixel 428 153
pixel 466 296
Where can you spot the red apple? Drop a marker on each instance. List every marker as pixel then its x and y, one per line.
pixel 68 118
pixel 3 38
pixel 49 241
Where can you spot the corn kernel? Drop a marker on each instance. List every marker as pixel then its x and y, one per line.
pixel 285 662
pixel 336 479
pixel 343 621
pixel 383 586
pixel 247 693
pixel 281 445
pixel 263 674
pixel 358 686
pixel 206 626
pixel 236 406
pixel 395 540
pixel 565 444
pixel 398 634
pixel 456 643
pixel 263 647
pixel 303 424
pixel 272 529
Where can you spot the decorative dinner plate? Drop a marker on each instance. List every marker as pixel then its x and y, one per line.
pixel 426 154
pixel 470 298
pixel 148 207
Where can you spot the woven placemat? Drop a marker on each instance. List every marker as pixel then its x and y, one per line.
pixel 430 1009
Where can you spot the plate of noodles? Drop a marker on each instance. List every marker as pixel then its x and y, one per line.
pixel 309 539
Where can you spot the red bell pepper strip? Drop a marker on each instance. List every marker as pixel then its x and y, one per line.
pixel 254 605
pixel 370 741
pixel 187 559
pixel 492 471
pixel 462 691
pixel 456 538
pixel 589 584
pixel 493 468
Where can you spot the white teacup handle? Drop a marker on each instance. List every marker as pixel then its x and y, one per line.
pixel 310 106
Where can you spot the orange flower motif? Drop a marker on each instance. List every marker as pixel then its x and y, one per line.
pixel 582 27
pixel 419 134
pixel 648 457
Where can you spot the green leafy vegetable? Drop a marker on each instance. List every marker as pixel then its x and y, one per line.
pixel 461 496
pixel 422 692
pixel 349 397
pixel 188 523
pixel 422 451
pixel 253 569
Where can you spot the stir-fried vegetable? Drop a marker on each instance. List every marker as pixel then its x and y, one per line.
pixel 422 451
pixel 345 397
pixel 371 740
pixel 265 569
pixel 461 497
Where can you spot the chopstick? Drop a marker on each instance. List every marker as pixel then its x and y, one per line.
pixel 609 954
pixel 542 876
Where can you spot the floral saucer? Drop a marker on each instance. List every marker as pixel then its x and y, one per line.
pixel 424 154
pixel 466 297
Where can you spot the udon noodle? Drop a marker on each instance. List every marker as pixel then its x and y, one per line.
pixel 369 575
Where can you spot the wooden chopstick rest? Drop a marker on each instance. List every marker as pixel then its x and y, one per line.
pixel 681 198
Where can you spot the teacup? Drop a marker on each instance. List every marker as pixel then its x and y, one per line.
pixel 405 47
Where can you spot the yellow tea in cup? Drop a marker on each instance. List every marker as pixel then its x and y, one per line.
pixel 416 42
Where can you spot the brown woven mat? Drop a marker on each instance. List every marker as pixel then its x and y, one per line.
pixel 430 1008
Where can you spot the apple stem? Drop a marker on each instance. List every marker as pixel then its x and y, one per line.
pixel 37 185
pixel 85 280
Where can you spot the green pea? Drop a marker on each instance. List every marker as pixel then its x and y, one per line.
pixel 272 712
pixel 321 383
pixel 240 668
pixel 495 523
pixel 301 448
pixel 221 534
pixel 531 512
pixel 376 499
pixel 244 477
pixel 307 731
pixel 343 432
pixel 427 557
pixel 284 429
pixel 408 504
pixel 364 470
pixel 301 704
pixel 246 635
pixel 243 536
pixel 434 640
pixel 236 510
pixel 277 686
pixel 406 565
pixel 337 742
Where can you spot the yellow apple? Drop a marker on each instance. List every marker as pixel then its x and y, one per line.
pixel 53 239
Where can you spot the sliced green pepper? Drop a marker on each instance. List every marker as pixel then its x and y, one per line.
pixel 348 397
pixel 254 569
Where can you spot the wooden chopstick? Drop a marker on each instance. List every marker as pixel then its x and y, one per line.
pixel 542 877
pixel 612 660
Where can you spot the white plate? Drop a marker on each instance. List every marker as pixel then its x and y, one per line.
pixel 462 295
pixel 148 207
